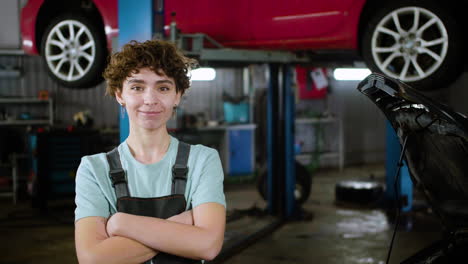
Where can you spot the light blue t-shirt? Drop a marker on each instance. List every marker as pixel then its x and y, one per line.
pixel 95 195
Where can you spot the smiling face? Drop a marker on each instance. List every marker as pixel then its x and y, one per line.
pixel 149 99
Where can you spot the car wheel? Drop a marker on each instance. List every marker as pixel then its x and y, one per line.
pixel 74 51
pixel 415 41
pixel 302 187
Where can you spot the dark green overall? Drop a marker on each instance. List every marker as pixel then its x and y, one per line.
pixel 160 207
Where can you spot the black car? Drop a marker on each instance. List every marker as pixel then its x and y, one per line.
pixel 434 139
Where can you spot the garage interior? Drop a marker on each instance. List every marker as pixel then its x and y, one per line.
pixel 339 136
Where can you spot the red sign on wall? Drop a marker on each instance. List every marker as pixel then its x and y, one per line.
pixel 312 82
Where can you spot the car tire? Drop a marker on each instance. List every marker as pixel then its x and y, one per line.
pixel 302 187
pixel 426 55
pixel 361 192
pixel 74 51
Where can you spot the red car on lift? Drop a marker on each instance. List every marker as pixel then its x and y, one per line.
pixel 417 41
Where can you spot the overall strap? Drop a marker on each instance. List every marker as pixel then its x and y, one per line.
pixel 180 169
pixel 117 174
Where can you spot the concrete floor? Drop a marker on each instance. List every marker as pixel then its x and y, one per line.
pixel 335 234
pixel 342 233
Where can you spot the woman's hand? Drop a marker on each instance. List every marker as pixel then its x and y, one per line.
pixel 183 218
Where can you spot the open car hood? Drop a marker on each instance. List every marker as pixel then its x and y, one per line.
pixel 436 148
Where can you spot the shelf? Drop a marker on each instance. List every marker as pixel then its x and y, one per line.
pixel 228 127
pixel 322 155
pixel 11 52
pixel 330 120
pixel 25 122
pixel 315 120
pixel 30 101
pixel 14 100
pixel 330 155
pixel 10 73
pixel 12 191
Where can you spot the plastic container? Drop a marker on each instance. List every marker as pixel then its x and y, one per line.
pixel 236 113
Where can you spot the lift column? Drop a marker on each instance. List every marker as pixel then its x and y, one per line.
pixel 280 138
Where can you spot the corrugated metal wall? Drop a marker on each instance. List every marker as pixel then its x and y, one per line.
pixel 9 26
pixel 206 96
pixel 203 96
pixel 363 124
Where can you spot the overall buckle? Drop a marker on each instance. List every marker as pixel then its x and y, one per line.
pixel 179 172
pixel 117 176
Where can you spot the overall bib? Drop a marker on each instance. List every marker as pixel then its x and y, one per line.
pixel 160 207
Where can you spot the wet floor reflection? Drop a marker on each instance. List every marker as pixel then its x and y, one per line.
pixel 343 234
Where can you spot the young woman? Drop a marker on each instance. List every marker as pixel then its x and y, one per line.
pixel 152 199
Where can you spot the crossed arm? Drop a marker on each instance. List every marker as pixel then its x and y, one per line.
pixel 126 238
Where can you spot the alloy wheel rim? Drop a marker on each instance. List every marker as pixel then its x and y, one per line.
pixel 409 44
pixel 70 50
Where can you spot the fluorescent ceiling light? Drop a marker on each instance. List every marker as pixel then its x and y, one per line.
pixel 351 74
pixel 203 74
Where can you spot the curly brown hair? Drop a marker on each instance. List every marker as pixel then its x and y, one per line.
pixel 163 57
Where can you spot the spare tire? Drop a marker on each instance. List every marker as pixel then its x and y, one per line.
pixel 362 192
